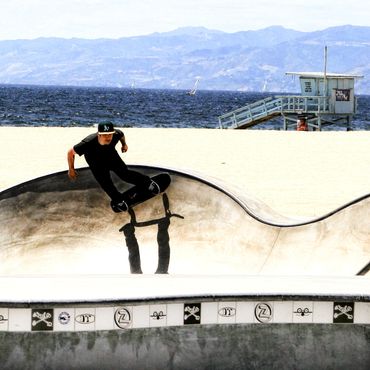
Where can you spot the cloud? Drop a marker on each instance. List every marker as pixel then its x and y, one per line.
pixel 119 18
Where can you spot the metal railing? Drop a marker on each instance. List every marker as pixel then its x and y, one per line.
pixel 262 110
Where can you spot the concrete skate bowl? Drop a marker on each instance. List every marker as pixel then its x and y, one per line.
pixel 51 225
pixel 68 299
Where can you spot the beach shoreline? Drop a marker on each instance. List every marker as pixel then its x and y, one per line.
pixel 305 174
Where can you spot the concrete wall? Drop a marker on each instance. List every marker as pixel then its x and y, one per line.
pixel 248 346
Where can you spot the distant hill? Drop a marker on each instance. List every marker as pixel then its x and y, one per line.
pixel 245 61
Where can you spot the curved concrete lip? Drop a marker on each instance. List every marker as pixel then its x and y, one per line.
pixel 220 242
pixel 112 289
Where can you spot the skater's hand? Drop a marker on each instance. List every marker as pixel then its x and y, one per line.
pixel 124 148
pixel 72 174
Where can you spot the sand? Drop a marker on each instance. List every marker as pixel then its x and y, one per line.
pixel 303 174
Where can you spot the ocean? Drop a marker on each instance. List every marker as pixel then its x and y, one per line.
pixel 57 106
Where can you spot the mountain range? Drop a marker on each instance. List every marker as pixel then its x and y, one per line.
pixel 241 61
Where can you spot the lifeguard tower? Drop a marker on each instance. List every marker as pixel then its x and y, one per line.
pixel 326 98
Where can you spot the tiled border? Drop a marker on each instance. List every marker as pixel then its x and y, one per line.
pixel 190 312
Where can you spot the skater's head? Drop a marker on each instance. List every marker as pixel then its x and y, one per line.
pixel 105 133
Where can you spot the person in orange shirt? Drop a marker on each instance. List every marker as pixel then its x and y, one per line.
pixel 302 124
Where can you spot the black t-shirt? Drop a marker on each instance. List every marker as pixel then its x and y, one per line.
pixel 96 154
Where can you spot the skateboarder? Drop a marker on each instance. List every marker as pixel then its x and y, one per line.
pixel 102 157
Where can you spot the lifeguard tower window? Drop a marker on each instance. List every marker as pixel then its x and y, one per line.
pixel 342 94
pixel 308 87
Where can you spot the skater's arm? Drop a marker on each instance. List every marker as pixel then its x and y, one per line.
pixel 124 147
pixel 71 164
pixel 122 139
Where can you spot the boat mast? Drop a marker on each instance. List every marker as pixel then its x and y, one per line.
pixel 325 66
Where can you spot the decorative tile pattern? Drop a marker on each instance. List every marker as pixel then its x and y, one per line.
pixel 4 319
pixel 190 312
pixel 343 312
pixel 123 317
pixel 226 312
pixel 303 312
pixel 264 312
pixel 84 319
pixel 42 319
pixel 158 315
pixel 64 319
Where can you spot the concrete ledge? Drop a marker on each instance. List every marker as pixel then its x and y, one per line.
pixel 44 289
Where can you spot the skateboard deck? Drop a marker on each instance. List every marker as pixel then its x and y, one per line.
pixel 135 195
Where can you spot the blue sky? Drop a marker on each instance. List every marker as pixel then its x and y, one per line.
pixel 91 19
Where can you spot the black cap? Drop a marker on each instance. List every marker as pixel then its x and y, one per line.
pixel 105 128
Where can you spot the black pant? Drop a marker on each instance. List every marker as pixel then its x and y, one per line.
pixel 102 175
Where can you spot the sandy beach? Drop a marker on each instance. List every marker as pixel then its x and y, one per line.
pixel 301 174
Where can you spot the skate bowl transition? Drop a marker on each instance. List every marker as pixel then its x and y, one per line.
pixel 202 276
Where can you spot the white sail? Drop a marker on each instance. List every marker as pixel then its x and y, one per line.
pixel 194 89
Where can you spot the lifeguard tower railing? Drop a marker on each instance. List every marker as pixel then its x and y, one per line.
pixel 265 109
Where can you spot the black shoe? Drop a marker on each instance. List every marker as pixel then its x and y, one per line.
pixel 119 206
pixel 154 188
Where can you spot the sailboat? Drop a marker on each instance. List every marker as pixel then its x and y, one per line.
pixel 194 89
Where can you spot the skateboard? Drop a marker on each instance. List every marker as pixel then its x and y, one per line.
pixel 135 195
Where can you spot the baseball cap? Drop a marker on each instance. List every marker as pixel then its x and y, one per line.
pixel 105 128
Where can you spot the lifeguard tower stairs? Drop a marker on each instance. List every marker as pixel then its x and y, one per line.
pixel 326 98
